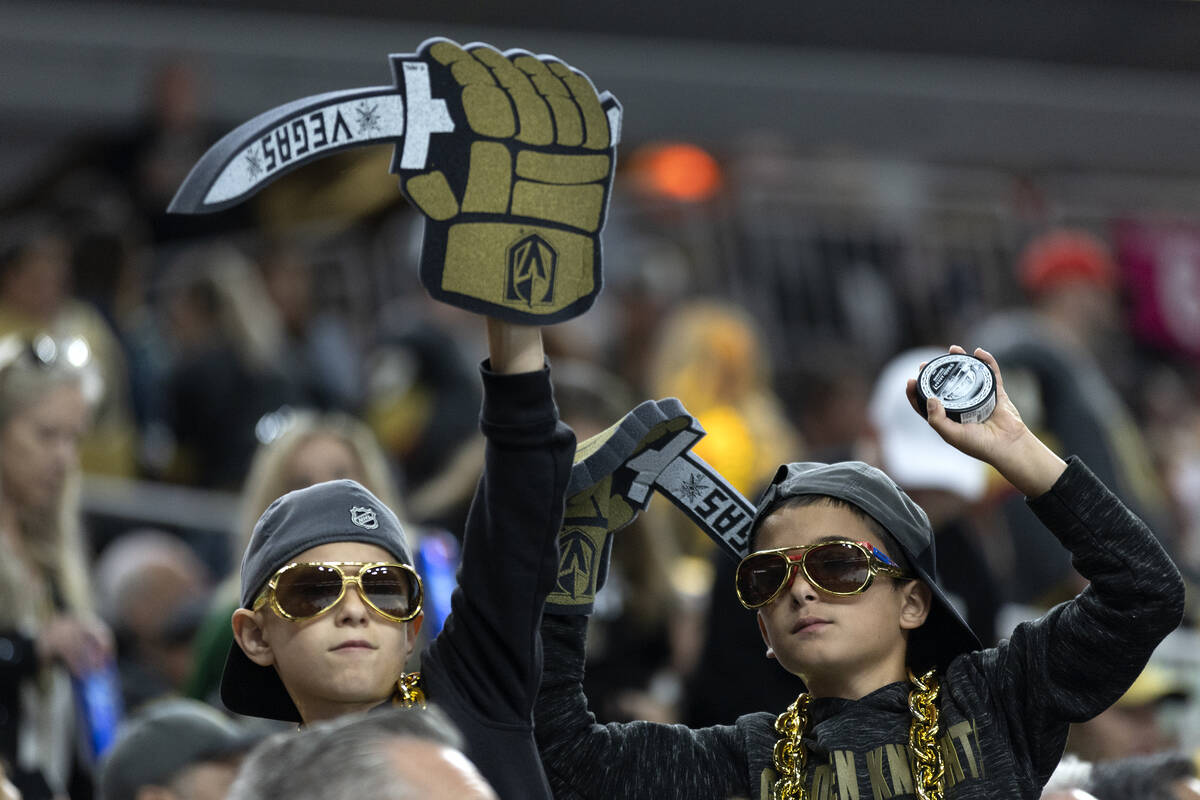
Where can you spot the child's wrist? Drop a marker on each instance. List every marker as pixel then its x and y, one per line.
pixel 1030 466
pixel 513 348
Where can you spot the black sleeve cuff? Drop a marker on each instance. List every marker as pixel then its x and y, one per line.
pixel 523 401
pixel 1076 491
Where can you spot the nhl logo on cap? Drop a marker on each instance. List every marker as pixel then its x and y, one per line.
pixel 364 517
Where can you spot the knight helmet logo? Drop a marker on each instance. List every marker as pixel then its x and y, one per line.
pixel 532 264
pixel 364 517
pixel 577 564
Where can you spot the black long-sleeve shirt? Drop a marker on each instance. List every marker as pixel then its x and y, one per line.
pixel 1004 710
pixel 485 666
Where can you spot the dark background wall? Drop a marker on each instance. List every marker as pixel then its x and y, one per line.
pixel 1027 85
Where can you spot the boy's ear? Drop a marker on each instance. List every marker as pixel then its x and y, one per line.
pixel 915 604
pixel 413 630
pixel 248 633
pixel 762 629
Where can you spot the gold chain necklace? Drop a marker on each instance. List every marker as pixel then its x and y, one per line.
pixel 922 736
pixel 791 759
pixel 409 692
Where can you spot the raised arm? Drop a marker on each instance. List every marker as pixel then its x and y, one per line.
pixel 1081 656
pixel 610 484
pixel 489 647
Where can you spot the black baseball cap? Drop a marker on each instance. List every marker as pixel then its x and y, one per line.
pixel 334 511
pixel 945 633
pixel 163 740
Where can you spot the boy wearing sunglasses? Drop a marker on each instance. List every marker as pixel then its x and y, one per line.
pixel 898 698
pixel 331 605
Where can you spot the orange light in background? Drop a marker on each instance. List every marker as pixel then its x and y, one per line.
pixel 677 170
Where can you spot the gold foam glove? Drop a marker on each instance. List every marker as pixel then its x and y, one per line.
pixel 516 195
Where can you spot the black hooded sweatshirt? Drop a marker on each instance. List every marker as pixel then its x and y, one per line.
pixel 1004 711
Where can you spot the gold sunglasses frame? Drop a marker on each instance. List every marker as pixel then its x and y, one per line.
pixel 875 566
pixel 268 593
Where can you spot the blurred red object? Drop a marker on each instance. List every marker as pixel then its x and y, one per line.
pixel 1066 256
pixel 677 170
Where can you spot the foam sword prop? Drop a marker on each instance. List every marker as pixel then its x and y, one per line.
pixel 510 157
pixel 285 138
pixel 696 488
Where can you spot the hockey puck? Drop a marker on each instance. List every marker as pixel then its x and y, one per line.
pixel 964 384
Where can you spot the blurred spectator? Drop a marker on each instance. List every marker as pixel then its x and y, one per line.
pixel 1165 776
pixel 389 755
pixel 157 154
pixel 225 375
pixel 319 355
pixel 1171 413
pixel 152 589
pixel 1071 279
pixel 111 258
pixel 944 482
pixel 301 448
pixel 173 135
pixel 174 750
pixel 35 283
pixel 1133 726
pixel 1053 369
pixel 825 389
pixel 1067 778
pixel 711 357
pixel 48 631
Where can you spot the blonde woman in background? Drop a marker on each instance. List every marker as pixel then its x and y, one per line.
pixel 48 631
pixel 307 448
pixel 711 356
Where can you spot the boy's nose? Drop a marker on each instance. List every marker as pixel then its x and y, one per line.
pixel 351 609
pixel 798 586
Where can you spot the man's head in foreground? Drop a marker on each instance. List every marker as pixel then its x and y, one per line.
pixel 174 750
pixel 396 754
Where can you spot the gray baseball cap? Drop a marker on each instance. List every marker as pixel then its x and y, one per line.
pixel 167 737
pixel 945 633
pixel 334 511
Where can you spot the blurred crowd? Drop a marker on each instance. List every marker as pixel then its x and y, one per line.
pixel 288 342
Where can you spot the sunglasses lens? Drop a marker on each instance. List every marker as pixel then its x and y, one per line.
pixel 392 589
pixel 308 589
pixel 760 576
pixel 837 567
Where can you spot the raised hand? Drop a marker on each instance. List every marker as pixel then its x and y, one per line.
pixel 82 644
pixel 1002 440
pixel 516 197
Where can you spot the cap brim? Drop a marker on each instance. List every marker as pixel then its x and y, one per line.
pixel 247 688
pixel 944 636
